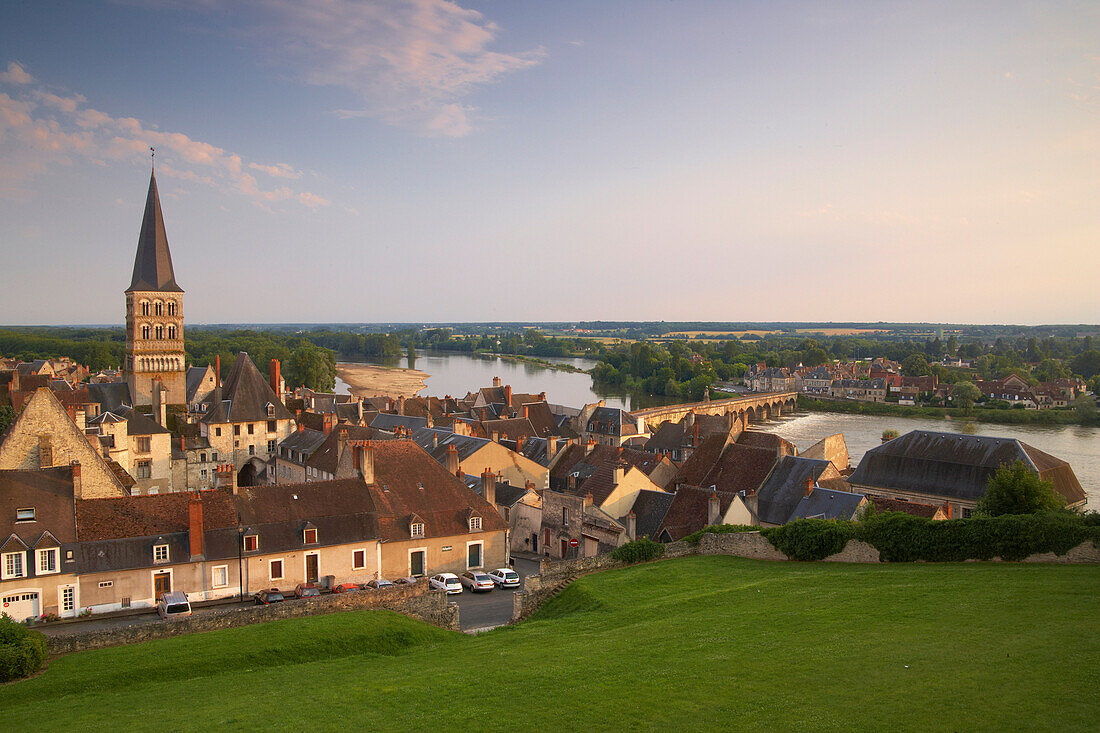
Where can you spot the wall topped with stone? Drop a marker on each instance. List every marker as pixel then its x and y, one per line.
pixel 416 601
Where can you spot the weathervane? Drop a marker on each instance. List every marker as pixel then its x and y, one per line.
pixel 152 153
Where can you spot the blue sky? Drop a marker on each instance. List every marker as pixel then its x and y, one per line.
pixel 328 160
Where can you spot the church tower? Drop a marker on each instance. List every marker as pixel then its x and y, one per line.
pixel 154 314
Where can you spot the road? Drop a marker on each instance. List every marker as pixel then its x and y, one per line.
pixel 488 610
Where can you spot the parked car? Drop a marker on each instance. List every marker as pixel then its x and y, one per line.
pixel 476 581
pixel 379 584
pixel 407 580
pixel 173 604
pixel 505 577
pixel 446 581
pixel 347 588
pixel 267 597
pixel 307 590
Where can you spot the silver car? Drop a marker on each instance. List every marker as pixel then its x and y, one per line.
pixel 477 581
pixel 504 577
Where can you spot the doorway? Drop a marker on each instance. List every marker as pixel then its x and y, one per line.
pixel 416 563
pixel 162 583
pixel 312 567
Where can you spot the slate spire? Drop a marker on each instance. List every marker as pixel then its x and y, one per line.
pixel 153 264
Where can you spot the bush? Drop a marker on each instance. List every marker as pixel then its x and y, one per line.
pixel 22 650
pixel 694 537
pixel 904 538
pixel 642 550
pixel 810 539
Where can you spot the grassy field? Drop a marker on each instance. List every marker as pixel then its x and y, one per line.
pixel 698 642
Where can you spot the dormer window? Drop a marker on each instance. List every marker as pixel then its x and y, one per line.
pixel 475 524
pixel 24 515
pixel 270 410
pixel 160 553
pixel 309 536
pixel 251 542
pixel 416 529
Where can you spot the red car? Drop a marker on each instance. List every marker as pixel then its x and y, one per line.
pixel 307 590
pixel 346 588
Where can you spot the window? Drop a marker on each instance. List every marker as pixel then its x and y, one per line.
pixel 217 433
pixel 159 331
pixel 271 446
pixel 473 555
pixel 144 469
pixel 358 559
pixel 275 570
pixel 68 599
pixel 270 413
pixel 202 458
pixel 160 553
pixel 564 515
pixel 143 444
pixel 158 308
pixel 214 456
pixel 171 332
pixel 475 524
pixel 251 450
pixel 966 513
pixel 47 561
pixel 417 529
pixel 219 576
pixel 271 424
pixel 13 565
pixel 251 429
pixel 251 542
pixel 144 307
pixel 202 474
pixel 145 331
pixel 236 429
pixel 24 515
pixel 309 536
pixel 106 583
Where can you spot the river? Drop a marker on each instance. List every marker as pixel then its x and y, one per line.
pixel 457 373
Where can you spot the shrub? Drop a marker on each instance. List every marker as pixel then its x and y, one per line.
pixel 694 537
pixel 810 539
pixel 642 550
pixel 22 650
pixel 1017 489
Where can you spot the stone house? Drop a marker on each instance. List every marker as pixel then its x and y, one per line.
pixel 567 517
pixel 610 426
pixel 865 390
pixel 472 455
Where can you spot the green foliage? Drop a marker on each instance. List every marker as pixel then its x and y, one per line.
pixel 810 539
pixel 7 417
pixel 22 650
pixel 915 365
pixel 694 537
pixel 312 367
pixel 964 395
pixel 1017 489
pixel 903 537
pixel 889 434
pixel 642 550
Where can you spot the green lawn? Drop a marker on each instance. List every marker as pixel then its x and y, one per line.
pixel 681 644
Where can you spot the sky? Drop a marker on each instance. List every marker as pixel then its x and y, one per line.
pixel 433 161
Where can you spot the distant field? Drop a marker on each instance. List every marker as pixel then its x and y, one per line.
pixel 739 334
pixel 695 643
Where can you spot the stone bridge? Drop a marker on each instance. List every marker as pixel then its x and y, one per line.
pixel 751 407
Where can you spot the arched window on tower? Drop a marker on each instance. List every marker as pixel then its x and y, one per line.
pixel 171 307
pixel 145 307
pixel 171 331
pixel 145 330
pixel 159 330
pixel 158 308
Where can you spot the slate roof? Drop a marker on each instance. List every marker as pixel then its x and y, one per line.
pixel 326 457
pixel 701 460
pixel 138 423
pixel 827 504
pixel 649 510
pixel 110 395
pixel 436 442
pixel 611 421
pixel 301 444
pixel 690 509
pixel 147 516
pixel 511 428
pixel 779 495
pixel 246 395
pixel 957 466
pixel 194 378
pixel 153 263
pixel 386 421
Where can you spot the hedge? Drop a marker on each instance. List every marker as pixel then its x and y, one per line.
pixel 22 650
pixel 641 550
pixel 903 537
pixel 694 537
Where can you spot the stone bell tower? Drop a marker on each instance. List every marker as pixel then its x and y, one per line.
pixel 154 314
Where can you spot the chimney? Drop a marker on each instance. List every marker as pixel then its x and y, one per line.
pixel 588 499
pixel 631 527
pixel 507 395
pixel 81 419
pixel 452 460
pixel 519 444
pixel 526 412
pixel 217 379
pixel 620 471
pixel 495 437
pixel 327 421
pixel 589 446
pixel 461 475
pixel 276 376
pixel 496 381
pixel 489 486
pixel 183 444
pixel 194 527
pixel 542 397
pixel 401 405
pixel 301 425
pixel 366 463
pixel 78 485
pixel 551 446
pixel 160 409
pixel 341 443
pixel 714 509
pixel 809 485
pixel 947 509
pixel 529 485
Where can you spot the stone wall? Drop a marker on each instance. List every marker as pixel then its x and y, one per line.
pixel 739 544
pixel 416 601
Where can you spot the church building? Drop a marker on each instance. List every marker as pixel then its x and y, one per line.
pixel 154 315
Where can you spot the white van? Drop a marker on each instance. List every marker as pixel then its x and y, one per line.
pixel 173 604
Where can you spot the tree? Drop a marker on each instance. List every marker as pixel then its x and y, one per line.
pixel 914 365
pixel 1085 405
pixel 7 416
pixel 313 367
pixel 1017 489
pixel 964 394
pixel 1086 364
pixel 1048 370
pixel 889 434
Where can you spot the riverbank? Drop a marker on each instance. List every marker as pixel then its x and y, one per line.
pixel 1000 417
pixel 371 380
pixel 541 362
